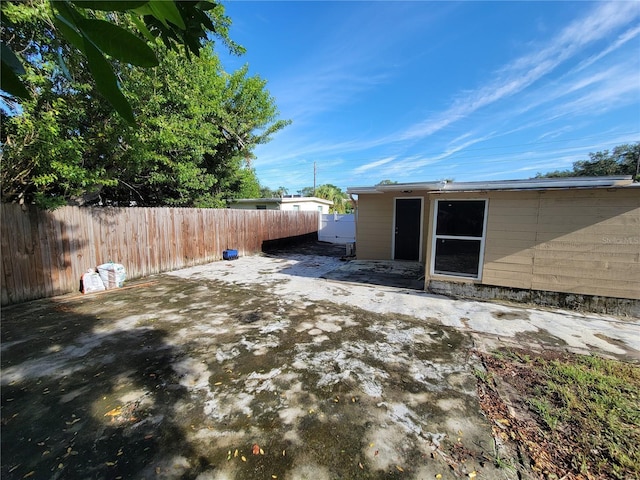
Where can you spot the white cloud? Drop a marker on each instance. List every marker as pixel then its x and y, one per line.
pixel 621 40
pixel 528 69
pixel 373 165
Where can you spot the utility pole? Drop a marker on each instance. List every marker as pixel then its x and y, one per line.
pixel 314 178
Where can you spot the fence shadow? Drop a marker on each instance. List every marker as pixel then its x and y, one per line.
pixel 78 403
pixel 40 253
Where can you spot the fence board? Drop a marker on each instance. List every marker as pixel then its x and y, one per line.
pixel 45 253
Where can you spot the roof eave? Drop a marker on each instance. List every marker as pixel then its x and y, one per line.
pixel 530 184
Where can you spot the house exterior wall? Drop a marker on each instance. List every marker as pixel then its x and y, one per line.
pixel 304 206
pixel 374 224
pixel 574 241
pixel 286 204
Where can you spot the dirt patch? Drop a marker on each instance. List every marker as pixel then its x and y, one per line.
pixel 549 431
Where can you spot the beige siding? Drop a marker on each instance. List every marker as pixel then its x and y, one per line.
pixel 374 227
pixel 510 238
pixel 573 241
pixel 589 242
pixel 584 241
pixel 373 231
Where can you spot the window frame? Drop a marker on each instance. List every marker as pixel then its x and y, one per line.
pixel 481 239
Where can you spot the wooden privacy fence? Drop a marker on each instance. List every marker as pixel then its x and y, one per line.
pixel 44 253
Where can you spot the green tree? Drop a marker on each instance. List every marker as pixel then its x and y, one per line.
pixel 266 192
pixel 44 149
pixel 341 203
pixel 101 31
pixel 386 182
pixel 197 127
pixel 622 160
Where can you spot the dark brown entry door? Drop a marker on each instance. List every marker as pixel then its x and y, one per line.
pixel 407 229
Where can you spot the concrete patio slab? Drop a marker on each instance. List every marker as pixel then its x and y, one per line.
pixel 260 369
pixel 389 273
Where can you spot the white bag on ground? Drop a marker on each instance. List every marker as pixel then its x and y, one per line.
pixel 91 282
pixel 112 274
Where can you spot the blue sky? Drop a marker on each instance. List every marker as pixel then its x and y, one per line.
pixel 421 91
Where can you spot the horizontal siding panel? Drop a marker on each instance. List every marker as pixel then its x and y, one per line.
pixel 570 279
pixel 593 229
pixel 559 283
pixel 509 267
pixel 587 212
pixel 506 227
pixel 514 202
pixel 589 241
pixel 587 255
pixel 506 279
pixel 586 276
pixel 496 220
pixel 513 207
pixel 599 200
pixel 503 235
pixel 574 246
pixel 496 249
pixel 520 258
pixel 625 268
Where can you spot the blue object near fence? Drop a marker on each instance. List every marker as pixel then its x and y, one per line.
pixel 230 254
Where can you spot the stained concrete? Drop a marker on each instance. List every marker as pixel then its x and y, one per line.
pixel 389 273
pixel 259 368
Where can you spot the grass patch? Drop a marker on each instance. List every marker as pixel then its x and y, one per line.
pixel 583 412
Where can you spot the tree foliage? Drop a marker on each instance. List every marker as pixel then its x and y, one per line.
pixel 622 160
pixel 341 203
pixel 197 126
pixel 266 192
pixel 106 30
pixel 193 143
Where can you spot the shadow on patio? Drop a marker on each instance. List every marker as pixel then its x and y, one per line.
pixel 387 273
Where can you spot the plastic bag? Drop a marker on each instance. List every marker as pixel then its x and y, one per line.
pixel 112 274
pixel 91 282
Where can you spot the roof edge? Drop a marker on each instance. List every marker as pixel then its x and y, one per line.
pixel 527 184
pixel 281 200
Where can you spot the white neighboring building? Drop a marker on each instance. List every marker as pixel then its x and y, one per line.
pixel 308 204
